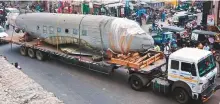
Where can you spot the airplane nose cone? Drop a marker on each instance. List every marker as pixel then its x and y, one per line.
pixel 142 42
pixel 148 40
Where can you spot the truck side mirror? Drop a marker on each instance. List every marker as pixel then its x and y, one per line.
pixel 193 70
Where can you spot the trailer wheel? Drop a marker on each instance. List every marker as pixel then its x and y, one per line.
pixel 137 81
pixel 150 30
pixel 40 55
pixel 23 51
pixel 31 53
pixel 217 57
pixel 181 96
pixel 17 30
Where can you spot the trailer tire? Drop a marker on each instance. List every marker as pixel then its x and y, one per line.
pixel 40 55
pixel 31 53
pixel 17 30
pixel 181 95
pixel 150 30
pixel 217 57
pixel 23 51
pixel 137 81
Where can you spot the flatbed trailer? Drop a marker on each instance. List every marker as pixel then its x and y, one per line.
pixel 147 67
pixel 144 70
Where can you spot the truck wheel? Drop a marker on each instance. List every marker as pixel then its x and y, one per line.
pixel 23 51
pixel 31 53
pixel 150 30
pixel 217 57
pixel 137 82
pixel 40 55
pixel 17 30
pixel 181 95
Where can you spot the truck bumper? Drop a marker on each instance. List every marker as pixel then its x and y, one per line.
pixel 207 94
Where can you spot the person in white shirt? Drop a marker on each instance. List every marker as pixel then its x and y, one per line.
pixel 166 53
pixel 160 27
pixel 167 49
pixel 7 25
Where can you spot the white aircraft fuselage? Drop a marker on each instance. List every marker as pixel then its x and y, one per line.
pixel 101 32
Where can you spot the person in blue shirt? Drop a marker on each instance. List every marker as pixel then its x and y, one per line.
pixel 163 16
pixel 206 47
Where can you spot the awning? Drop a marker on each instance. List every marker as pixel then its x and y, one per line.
pixel 114 5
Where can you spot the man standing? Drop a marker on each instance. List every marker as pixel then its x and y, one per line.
pixel 206 47
pixel 163 16
pixel 153 25
pixel 157 47
pixel 166 53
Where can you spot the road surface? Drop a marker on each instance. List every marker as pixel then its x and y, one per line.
pixel 76 85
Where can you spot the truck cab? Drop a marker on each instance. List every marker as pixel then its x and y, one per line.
pixel 192 73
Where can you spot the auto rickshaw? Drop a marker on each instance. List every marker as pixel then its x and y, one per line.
pixel 213 38
pixel 164 38
pixel 201 36
pixel 181 31
pixel 181 18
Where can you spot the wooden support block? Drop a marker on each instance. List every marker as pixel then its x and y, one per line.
pixel 143 66
pixel 135 60
pixel 133 65
pixel 142 58
pixel 135 54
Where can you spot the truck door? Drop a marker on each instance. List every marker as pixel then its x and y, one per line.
pixel 173 70
pixel 188 74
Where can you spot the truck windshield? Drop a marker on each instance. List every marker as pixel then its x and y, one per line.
pixel 206 65
pixel 15 11
pixel 1 30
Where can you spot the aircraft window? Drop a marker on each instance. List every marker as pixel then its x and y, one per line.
pixel 58 30
pixel 75 31
pixel 38 28
pixel 67 31
pixel 84 32
pixel 44 29
pixel 51 30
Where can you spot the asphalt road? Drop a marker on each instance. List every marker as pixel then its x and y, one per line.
pixel 76 85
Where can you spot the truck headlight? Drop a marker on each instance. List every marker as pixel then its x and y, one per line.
pixel 205 86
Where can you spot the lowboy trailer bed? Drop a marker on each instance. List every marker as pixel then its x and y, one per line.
pixel 142 67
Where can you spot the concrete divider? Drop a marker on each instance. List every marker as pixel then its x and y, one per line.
pixel 18 88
